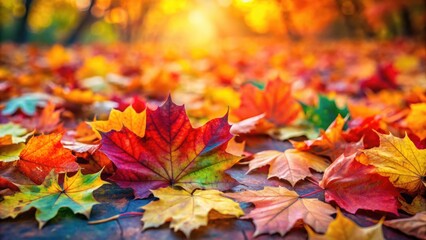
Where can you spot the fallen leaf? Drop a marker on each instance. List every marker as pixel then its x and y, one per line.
pixel 292 165
pixel 44 153
pixel 49 197
pixel 354 186
pixel 365 129
pixel 11 133
pixel 85 134
pixel 235 148
pixel 10 153
pixel 27 103
pixel 253 125
pixel 285 133
pixel 80 147
pixel 417 205
pixel 277 210
pixel 186 211
pixel 129 118
pixel 342 228
pixel 400 160
pixel 10 176
pixel 94 162
pixel 330 143
pixel 171 153
pixel 322 115
pixel 413 226
pixel 277 93
pixel 137 103
pixel 46 122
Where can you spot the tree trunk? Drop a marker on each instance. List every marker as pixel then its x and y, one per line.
pixel 85 21
pixel 22 28
pixel 407 25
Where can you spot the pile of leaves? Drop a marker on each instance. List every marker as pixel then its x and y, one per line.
pixel 320 142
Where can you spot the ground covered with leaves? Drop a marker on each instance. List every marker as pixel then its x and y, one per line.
pixel 259 139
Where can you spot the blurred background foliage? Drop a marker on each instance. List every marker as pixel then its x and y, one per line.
pixel 206 21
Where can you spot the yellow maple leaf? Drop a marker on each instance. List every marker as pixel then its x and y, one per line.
pixel 400 160
pixel 186 211
pixel 342 228
pixel 129 118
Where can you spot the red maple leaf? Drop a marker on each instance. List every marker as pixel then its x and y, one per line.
pixel 171 153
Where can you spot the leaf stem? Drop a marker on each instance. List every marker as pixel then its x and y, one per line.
pixel 126 214
pixel 311 193
pixel 313 181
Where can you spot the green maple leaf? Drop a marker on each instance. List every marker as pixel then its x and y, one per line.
pixel 322 115
pixel 49 197
pixel 27 103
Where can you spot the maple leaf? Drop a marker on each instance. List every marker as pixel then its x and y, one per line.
pixel 277 210
pixel 365 129
pixel 44 153
pixel 292 165
pixel 400 160
pixel 129 118
pixel 27 103
pixel 10 153
pixel 330 143
pixel 46 122
pixel 49 197
pixel 270 101
pixel 342 228
pixel 354 186
pixel 413 226
pixel 171 152
pixel 11 133
pixel 186 211
pixel 322 115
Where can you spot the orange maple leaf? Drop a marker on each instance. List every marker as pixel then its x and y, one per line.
pixel 44 153
pixel 271 101
pixel 330 143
